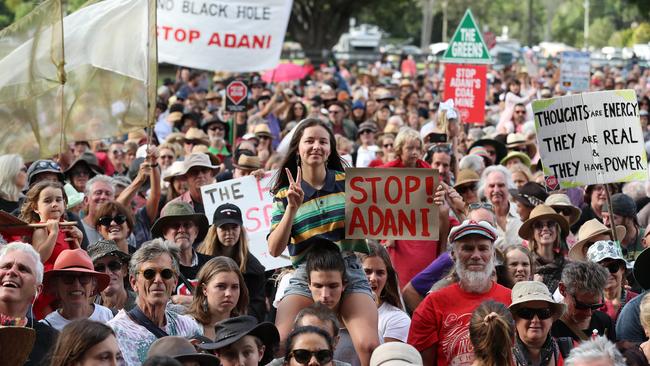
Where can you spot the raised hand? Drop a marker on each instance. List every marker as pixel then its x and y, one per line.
pixel 295 195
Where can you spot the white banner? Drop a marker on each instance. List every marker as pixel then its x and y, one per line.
pixel 255 201
pixel 232 35
pixel 574 71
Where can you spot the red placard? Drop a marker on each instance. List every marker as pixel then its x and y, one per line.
pixel 466 85
pixel 236 94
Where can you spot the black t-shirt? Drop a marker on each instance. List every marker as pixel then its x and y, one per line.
pixel 255 283
pixel 599 320
pixel 45 338
pixel 190 272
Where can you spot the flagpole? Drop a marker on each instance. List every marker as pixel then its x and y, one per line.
pixel 60 68
pixel 152 46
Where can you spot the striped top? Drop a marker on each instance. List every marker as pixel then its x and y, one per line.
pixel 322 214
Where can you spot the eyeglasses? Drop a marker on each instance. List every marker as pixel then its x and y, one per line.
pixel 184 224
pixel 112 266
pixel 466 188
pixel 529 313
pixel 303 356
pixel 216 128
pixel 477 205
pixel 83 279
pixel 263 137
pixel 107 220
pixel 612 266
pixel 117 152
pixel 150 274
pixel 167 157
pixel 193 142
pixel 539 225
pixel 583 306
pixel 388 145
pixel 198 170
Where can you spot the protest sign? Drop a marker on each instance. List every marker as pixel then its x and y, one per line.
pixel 574 71
pixel 591 138
pixel 233 35
pixel 466 85
pixel 255 202
pixel 467 45
pixel 392 203
pixel 236 95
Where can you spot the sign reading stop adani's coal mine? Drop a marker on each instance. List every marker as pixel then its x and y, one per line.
pixel 226 35
pixel 591 138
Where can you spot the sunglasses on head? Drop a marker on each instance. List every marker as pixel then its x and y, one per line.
pixel 303 356
pixel 612 266
pixel 583 306
pixel 150 274
pixel 84 279
pixel 107 220
pixel 485 205
pixel 112 266
pixel 529 313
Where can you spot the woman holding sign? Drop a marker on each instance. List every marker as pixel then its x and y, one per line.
pixel 309 202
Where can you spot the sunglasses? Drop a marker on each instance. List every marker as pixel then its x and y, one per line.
pixel 84 279
pixel 485 205
pixel 107 220
pixel 216 128
pixel 466 188
pixel 46 164
pixel 303 356
pixel 112 266
pixel 388 145
pixel 539 225
pixel 529 313
pixel 565 211
pixel 167 157
pixel 263 137
pixel 583 306
pixel 612 266
pixel 150 274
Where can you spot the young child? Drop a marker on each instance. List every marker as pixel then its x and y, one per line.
pixel 242 341
pixel 46 203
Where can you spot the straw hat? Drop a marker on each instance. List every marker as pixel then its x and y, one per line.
pixel 526 291
pixel 75 261
pixel 562 201
pixel 248 163
pixel 587 232
pixel 196 134
pixel 466 176
pixel 539 213
pixel 17 344
pixel 262 129
pixel 395 354
pixel 198 159
pixel 518 140
pixel 175 170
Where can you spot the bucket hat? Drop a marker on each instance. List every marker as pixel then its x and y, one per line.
pixel 531 194
pixel 605 249
pixel 177 210
pixel 231 330
pixel 247 162
pixel 182 350
pixel 562 201
pixel 75 261
pixel 89 160
pixel 526 291
pixel 174 170
pixel 195 134
pixel 539 213
pixel 395 354
pixel 104 248
pixel 466 176
pixel 586 233
pixel 200 160
pixel 516 154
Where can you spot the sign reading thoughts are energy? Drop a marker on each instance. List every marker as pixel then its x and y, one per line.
pixel 591 138
pixel 467 45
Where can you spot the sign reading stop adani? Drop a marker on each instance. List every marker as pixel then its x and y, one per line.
pixel 392 203
pixel 255 201
pixel 465 84
pixel 232 35
pixel 590 138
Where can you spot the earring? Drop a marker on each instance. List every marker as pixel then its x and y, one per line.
pixel 204 306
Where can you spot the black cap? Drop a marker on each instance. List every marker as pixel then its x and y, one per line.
pixel 227 214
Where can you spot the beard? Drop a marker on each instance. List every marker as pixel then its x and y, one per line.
pixel 475 281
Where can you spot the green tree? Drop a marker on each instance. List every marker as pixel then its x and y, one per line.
pixel 641 34
pixel 600 31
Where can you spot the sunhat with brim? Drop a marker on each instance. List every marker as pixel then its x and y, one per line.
pixel 174 170
pixel 74 261
pixel 516 155
pixel 466 176
pixel 526 291
pixel 182 350
pixel 104 248
pixel 200 160
pixel 395 354
pixel 542 212
pixel 498 147
pixel 262 129
pixel 90 161
pixel 605 249
pixel 175 211
pixel 562 201
pixel 75 197
pixel 641 265
pixel 17 344
pixel 231 330
pixel 587 232
pixel 248 163
pixel 367 126
pixel 195 134
pixel 531 194
pixel 471 227
pixel 482 152
pixel 515 140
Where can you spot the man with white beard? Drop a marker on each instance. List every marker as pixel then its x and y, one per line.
pixel 494 185
pixel 439 328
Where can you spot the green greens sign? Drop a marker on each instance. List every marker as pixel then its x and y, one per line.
pixel 467 45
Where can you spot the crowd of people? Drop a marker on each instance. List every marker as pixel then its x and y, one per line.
pixel 108 256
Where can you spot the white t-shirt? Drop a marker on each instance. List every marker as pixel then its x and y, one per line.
pixel 101 314
pixel 365 155
pixel 393 322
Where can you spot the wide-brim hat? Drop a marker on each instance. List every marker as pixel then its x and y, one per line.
pixel 89 160
pixel 200 160
pixel 515 140
pixel 542 212
pixel 498 147
pixel 17 344
pixel 178 210
pixel 561 200
pixel 531 194
pixel 182 350
pixel 466 176
pixel 248 163
pixel 75 261
pixel 196 134
pixel 395 354
pixel 526 291
pixel 262 129
pixel 516 154
pixel 175 170
pixel 587 232
pixel 641 265
pixel 104 248
pixel 231 330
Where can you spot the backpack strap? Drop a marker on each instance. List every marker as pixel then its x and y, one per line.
pixel 565 344
pixel 138 316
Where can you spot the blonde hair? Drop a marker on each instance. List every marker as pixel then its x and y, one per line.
pixel 644 313
pixel 213 247
pixel 492 333
pixel 405 136
pixel 10 166
pixel 521 168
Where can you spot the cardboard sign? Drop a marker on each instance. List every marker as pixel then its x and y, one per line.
pixel 236 94
pixel 574 71
pixel 591 138
pixel 391 204
pixel 467 45
pixel 233 35
pixel 255 202
pixel 466 85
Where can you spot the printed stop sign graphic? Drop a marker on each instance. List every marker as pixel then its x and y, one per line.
pixel 236 94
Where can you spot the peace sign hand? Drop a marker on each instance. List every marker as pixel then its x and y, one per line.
pixel 295 195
